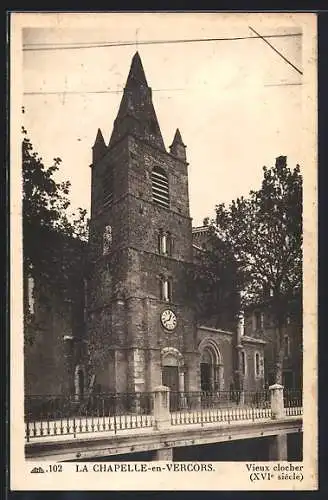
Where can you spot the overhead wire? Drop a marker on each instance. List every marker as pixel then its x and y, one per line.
pixel 120 91
pixel 277 51
pixel 64 46
pixel 88 45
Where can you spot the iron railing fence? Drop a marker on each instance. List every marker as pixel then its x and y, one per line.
pixel 293 402
pixel 64 415
pixel 68 415
pixel 221 406
pixel 54 406
pixel 218 399
pixel 293 398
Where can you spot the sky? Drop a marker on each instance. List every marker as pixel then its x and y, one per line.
pixel 228 98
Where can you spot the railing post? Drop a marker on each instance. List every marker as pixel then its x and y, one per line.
pixel 277 401
pixel 162 417
pixel 278 443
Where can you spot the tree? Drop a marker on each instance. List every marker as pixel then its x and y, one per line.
pixel 214 277
pixel 264 234
pixel 52 238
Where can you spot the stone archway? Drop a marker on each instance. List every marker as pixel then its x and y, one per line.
pixel 211 366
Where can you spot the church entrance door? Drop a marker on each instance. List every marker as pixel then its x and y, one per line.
pixel 207 367
pixel 170 378
pixel 206 377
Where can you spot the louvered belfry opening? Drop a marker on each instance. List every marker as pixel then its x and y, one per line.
pixel 160 187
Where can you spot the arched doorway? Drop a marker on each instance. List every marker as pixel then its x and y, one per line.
pixel 206 371
pixel 211 367
pixel 173 374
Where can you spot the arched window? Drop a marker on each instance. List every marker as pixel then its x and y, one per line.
pixel 166 289
pixel 169 243
pixel 243 363
pixel 160 187
pixel 164 243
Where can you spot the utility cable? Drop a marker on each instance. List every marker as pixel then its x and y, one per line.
pixel 34 47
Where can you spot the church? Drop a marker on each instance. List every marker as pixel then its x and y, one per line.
pixel 140 329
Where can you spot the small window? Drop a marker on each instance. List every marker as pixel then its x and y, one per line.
pixel 257 365
pixel 258 321
pixel 243 366
pixel 166 289
pixel 261 320
pixel 164 243
pixel 286 346
pixel 160 187
pixel 241 320
pixel 107 239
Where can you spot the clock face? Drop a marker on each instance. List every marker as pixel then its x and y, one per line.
pixel 168 319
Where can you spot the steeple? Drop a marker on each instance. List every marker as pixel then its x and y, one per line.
pixel 177 148
pixel 136 114
pixel 136 72
pixel 99 148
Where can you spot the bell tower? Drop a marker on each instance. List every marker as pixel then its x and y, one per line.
pixel 141 328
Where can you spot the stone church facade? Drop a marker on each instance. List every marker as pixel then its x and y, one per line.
pixel 140 326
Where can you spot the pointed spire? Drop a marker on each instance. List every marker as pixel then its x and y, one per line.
pixel 99 139
pixel 136 114
pixel 177 147
pixel 136 73
pixel 177 138
pixel 99 148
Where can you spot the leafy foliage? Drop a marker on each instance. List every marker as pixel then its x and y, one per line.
pixel 264 234
pixel 52 238
pixel 215 283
